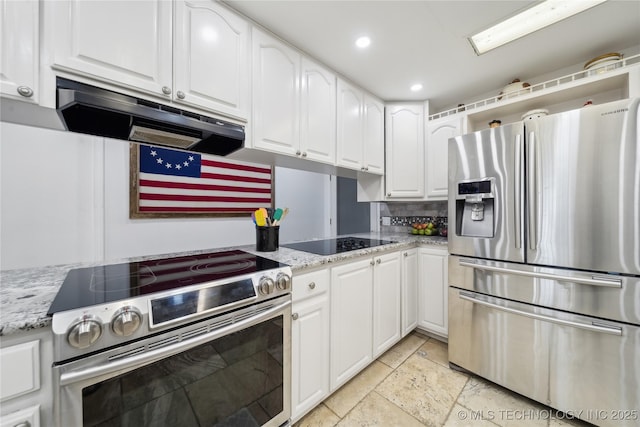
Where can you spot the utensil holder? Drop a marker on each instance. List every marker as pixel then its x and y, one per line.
pixel 267 238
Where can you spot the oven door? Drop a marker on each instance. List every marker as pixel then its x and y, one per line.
pixel 232 369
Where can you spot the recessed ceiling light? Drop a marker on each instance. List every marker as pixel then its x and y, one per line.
pixel 416 87
pixel 533 19
pixel 363 42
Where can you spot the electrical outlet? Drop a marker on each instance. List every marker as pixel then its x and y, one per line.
pixel 386 220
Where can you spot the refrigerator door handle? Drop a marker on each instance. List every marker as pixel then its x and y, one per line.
pixel 595 327
pixel 593 281
pixel 518 193
pixel 532 173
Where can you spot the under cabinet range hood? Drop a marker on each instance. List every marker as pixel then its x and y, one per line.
pixel 95 111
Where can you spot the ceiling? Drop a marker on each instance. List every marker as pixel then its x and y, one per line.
pixel 426 42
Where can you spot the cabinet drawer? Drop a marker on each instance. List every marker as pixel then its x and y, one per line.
pixel 310 284
pixel 24 417
pixel 19 369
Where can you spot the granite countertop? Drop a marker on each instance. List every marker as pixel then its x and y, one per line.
pixel 25 295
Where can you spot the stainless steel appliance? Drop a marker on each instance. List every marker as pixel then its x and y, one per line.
pixel 544 276
pixel 183 341
pixel 96 111
pixel 336 246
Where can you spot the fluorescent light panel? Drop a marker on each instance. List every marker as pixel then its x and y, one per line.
pixel 533 19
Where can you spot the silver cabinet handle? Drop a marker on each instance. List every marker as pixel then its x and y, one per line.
pixel 588 326
pixel 23 424
pixel 388 194
pixel 371 262
pixel 25 91
pixel 312 285
pixel 593 281
pixel 180 94
pixel 378 261
pixel 294 316
pixel 298 152
pixel 166 90
pixel 304 154
pixel 406 254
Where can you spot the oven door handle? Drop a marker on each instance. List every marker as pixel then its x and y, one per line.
pixel 126 363
pixel 593 281
pixel 594 327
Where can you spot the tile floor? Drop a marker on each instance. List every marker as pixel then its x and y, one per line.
pixel 412 385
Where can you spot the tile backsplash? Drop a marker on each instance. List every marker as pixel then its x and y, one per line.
pixel 400 215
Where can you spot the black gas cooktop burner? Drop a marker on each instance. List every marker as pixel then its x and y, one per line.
pixel 84 287
pixel 336 246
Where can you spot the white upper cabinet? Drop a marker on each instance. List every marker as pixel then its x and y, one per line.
pixel 211 58
pixel 19 44
pixel 437 149
pixel 193 52
pixel 405 150
pixel 360 130
pixel 318 113
pixel 350 130
pixel 123 43
pixel 373 135
pixel 276 94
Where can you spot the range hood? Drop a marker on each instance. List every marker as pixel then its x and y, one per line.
pixel 95 111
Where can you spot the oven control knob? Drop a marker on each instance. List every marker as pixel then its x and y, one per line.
pixel 126 321
pixel 266 285
pixel 283 281
pixel 84 332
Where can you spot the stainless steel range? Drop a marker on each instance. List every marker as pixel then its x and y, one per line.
pixel 191 341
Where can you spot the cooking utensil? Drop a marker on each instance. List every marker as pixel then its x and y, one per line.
pixel 284 214
pixel 261 220
pixel 277 214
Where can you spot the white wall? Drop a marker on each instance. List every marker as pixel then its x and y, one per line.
pixel 310 198
pixel 65 199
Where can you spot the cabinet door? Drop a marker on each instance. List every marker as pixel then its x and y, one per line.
pixel 405 150
pixel 121 42
pixel 318 125
pixel 276 95
pixel 373 135
pixel 409 291
pixel 387 289
pixel 351 320
pixel 309 354
pixel 211 57
pixel 19 44
pixel 350 127
pixel 433 291
pixel 438 134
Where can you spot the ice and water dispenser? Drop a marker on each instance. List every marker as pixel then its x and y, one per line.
pixel 475 202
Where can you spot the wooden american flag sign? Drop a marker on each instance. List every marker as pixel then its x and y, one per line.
pixel 167 182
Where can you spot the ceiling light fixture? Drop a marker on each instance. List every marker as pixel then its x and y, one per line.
pixel 363 42
pixel 533 19
pixel 416 87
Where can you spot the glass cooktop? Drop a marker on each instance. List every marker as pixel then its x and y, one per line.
pixel 84 287
pixel 336 246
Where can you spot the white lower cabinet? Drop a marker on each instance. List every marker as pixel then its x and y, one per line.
pixel 26 397
pixel 351 319
pixel 28 417
pixel 365 313
pixel 309 341
pixel 432 290
pixel 387 292
pixel 409 291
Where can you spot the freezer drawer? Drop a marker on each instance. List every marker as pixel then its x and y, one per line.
pixel 608 296
pixel 576 364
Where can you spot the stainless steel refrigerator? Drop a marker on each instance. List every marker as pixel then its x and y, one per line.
pixel 544 272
